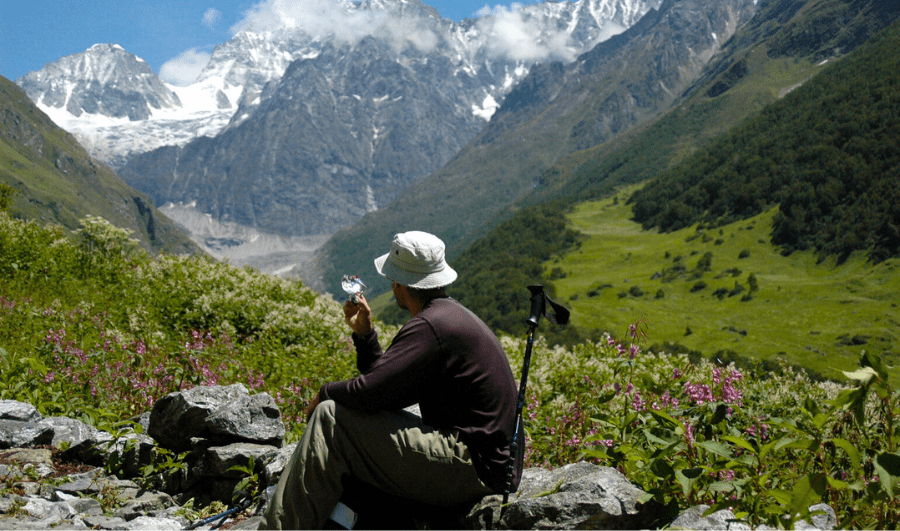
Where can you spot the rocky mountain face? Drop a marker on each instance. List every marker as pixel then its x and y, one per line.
pixel 557 109
pixel 322 128
pixel 335 137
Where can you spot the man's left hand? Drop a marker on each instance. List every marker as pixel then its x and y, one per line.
pixel 358 316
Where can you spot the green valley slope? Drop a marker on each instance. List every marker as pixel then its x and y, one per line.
pixel 56 181
pixel 828 155
pixel 727 289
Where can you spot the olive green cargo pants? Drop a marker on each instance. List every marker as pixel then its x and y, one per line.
pixel 393 451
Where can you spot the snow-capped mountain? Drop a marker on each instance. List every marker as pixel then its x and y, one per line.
pixel 117 107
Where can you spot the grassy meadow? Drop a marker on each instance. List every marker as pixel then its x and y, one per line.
pixel 819 315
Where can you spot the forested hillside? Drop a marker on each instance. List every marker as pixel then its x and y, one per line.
pixel 495 272
pixel 783 46
pixel 828 154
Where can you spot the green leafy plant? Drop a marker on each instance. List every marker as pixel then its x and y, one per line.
pixel 691 433
pixel 249 484
pixel 109 498
pixel 164 464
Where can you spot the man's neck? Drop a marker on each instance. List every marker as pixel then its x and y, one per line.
pixel 415 306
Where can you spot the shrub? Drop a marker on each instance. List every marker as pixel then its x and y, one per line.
pixel 752 282
pixel 94 328
pixel 6 195
pixel 556 273
pixel 691 432
pixel 736 290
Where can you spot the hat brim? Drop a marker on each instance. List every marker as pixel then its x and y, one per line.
pixel 435 279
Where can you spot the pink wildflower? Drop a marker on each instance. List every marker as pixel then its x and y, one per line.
pixel 689 433
pixel 699 393
pixel 637 402
pixel 634 350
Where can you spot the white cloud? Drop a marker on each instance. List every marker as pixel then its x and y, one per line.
pixel 212 17
pixel 346 21
pixel 487 10
pixel 184 69
pixel 510 32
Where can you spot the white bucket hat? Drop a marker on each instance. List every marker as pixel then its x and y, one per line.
pixel 416 260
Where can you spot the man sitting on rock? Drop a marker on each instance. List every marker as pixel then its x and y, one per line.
pixel 446 360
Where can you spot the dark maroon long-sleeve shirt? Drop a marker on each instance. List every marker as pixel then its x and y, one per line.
pixel 450 363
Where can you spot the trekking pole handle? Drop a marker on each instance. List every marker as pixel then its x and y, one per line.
pixel 538 305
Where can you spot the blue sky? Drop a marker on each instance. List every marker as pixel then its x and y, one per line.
pixel 36 32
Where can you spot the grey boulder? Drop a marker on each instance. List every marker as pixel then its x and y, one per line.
pixel 577 496
pixel 19 434
pixel 21 411
pixel 222 414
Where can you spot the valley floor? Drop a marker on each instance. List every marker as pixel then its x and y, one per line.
pixel 244 246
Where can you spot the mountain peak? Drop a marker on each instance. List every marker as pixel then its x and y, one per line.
pixel 103 80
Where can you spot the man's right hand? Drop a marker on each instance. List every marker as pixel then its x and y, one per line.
pixel 358 316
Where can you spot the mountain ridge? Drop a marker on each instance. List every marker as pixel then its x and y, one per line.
pixel 231 85
pixel 372 145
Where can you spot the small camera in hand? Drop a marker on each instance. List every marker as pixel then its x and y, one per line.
pixel 353 286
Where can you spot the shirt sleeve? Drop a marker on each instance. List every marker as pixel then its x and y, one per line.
pixel 368 350
pixel 391 381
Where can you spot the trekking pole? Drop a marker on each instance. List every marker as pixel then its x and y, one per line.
pixel 242 504
pixel 560 316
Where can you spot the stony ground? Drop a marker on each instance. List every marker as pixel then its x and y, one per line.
pixel 40 490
